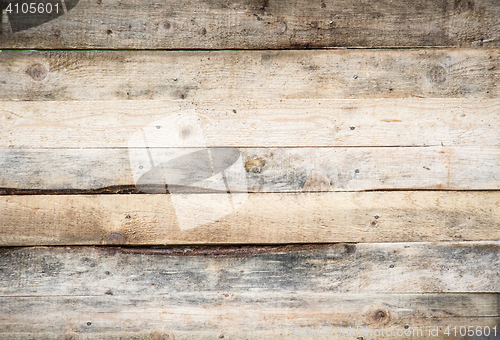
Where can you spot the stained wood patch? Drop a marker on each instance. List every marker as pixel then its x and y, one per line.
pixel 240 75
pixel 87 171
pixel 250 218
pixel 255 123
pixel 259 24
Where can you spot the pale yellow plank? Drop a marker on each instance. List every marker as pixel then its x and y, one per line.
pixel 249 218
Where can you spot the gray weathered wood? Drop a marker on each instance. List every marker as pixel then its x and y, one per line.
pixel 256 123
pixel 241 75
pixel 465 267
pixel 260 218
pixel 236 314
pixel 262 24
pixel 263 169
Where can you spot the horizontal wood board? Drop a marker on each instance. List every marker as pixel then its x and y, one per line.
pixel 262 218
pixel 233 314
pixel 248 292
pixel 87 171
pixel 253 123
pixel 241 75
pixel 399 268
pixel 257 24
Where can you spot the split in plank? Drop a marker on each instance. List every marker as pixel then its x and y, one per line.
pixel 395 268
pixel 392 216
pixel 173 170
pixel 253 123
pixel 257 24
pixel 241 75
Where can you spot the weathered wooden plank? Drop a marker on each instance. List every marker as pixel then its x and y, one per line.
pixel 234 313
pixel 257 24
pixel 239 75
pixel 255 123
pixel 249 218
pixel 464 267
pixel 249 170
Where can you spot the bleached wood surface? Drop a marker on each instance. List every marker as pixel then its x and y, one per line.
pixel 255 122
pixel 242 75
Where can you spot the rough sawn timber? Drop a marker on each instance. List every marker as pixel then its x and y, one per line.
pixel 245 292
pixel 262 218
pixel 255 122
pixel 87 171
pixel 263 24
pixel 242 75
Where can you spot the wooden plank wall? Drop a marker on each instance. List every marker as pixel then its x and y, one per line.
pixel 250 169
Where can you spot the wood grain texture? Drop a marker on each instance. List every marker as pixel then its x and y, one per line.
pixel 464 267
pixel 259 218
pixel 241 75
pixel 260 24
pixel 245 292
pixel 258 170
pixel 235 314
pixel 255 123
